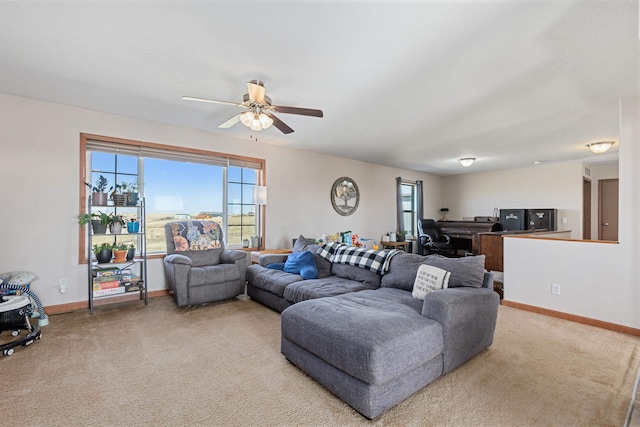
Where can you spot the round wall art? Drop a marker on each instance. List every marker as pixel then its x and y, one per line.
pixel 345 196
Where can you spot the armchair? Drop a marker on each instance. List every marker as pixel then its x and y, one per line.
pixel 198 267
pixel 430 240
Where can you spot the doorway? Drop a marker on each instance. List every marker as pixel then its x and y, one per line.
pixel 608 209
pixel 586 208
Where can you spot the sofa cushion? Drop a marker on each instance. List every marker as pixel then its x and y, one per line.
pixel 372 335
pixel 402 271
pixel 322 287
pixel 301 243
pixel 301 263
pixel 465 272
pixel 272 281
pixel 204 257
pixel 323 264
pixel 429 279
pixel 207 275
pixel 357 274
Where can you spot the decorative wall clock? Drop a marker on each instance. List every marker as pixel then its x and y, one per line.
pixel 345 196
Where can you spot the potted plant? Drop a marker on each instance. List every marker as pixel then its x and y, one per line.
pixel 401 236
pixel 131 191
pixel 116 223
pixel 99 221
pixel 133 226
pixel 103 252
pixel 117 195
pixel 99 191
pixel 131 251
pixel 119 252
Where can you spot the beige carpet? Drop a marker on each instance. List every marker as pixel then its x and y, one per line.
pixel 220 364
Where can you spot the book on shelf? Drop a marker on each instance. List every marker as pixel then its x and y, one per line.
pixel 111 271
pixel 106 285
pixel 111 291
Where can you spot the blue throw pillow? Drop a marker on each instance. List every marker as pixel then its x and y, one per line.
pixel 276 266
pixel 302 263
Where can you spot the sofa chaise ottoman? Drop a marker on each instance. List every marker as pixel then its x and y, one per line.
pixel 374 348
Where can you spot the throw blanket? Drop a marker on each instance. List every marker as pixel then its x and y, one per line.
pixel 196 235
pixel 376 261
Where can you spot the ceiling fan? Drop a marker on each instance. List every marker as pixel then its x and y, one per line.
pixel 259 114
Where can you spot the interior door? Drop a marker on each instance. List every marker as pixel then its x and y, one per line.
pixel 586 208
pixel 608 209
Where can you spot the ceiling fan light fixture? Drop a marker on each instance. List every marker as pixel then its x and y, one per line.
pixel 246 118
pixel 255 123
pixel 265 120
pixel 467 161
pixel 600 147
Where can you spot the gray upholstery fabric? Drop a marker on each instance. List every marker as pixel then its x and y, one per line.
pixel 373 335
pixel 267 298
pixel 196 277
pixel 402 271
pixel 465 272
pixel 273 281
pixel 358 274
pixel 371 400
pixel 301 243
pixel 266 259
pixel 468 318
pixel 319 288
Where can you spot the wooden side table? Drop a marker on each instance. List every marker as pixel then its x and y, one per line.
pixel 397 245
pixel 255 255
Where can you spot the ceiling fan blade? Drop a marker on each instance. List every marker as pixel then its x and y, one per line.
pixel 256 91
pixel 284 128
pixel 212 101
pixel 296 110
pixel 232 121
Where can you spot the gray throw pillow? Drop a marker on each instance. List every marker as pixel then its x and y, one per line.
pixel 402 271
pixel 301 243
pixel 465 272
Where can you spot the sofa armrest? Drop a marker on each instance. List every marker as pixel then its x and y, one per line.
pixel 231 256
pixel 468 318
pixel 177 259
pixel 266 259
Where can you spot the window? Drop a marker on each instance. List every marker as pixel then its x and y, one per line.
pixel 409 207
pixel 177 183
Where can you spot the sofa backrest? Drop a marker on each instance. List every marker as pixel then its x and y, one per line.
pixel 465 272
pixel 182 238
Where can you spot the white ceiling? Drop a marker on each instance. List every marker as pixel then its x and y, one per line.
pixel 411 84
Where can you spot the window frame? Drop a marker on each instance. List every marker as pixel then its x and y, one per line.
pixel 232 160
pixel 414 206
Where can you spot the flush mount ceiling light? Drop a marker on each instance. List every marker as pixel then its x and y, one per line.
pixel 600 147
pixel 467 161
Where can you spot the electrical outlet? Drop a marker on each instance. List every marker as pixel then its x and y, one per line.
pixel 555 289
pixel 62 285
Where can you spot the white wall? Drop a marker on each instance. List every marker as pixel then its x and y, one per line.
pixel 598 280
pixel 39 146
pixel 543 186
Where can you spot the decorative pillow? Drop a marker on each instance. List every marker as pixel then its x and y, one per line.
pixel 196 235
pixel 428 279
pixel 301 263
pixel 301 243
pixel 402 271
pixel 465 272
pixel 323 264
pixel 276 266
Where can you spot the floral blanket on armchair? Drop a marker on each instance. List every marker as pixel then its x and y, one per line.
pixel 196 235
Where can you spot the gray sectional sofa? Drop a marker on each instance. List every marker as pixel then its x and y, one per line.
pixel 364 336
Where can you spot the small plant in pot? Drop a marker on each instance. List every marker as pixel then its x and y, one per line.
pixel 130 190
pixel 118 196
pixel 401 236
pixel 99 221
pixel 116 224
pixel 103 253
pixel 99 191
pixel 119 252
pixel 131 252
pixel 133 226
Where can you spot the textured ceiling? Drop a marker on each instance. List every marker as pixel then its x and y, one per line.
pixel 412 84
